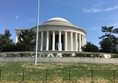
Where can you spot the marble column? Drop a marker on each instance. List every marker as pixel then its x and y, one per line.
pixel 84 39
pixel 60 47
pixel 80 42
pixel 76 42
pixel 71 39
pixel 47 41
pixel 53 40
pixel 65 41
pixel 41 48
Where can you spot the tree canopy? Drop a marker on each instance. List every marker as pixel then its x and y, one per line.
pixel 109 41
pixel 26 40
pixel 6 44
pixel 89 47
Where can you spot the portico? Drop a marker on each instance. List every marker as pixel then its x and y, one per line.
pixel 61 41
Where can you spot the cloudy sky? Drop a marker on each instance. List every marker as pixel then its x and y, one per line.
pixel 88 14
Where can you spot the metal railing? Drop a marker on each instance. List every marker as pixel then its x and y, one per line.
pixel 61 75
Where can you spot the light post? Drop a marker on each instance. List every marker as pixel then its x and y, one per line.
pixel 38 7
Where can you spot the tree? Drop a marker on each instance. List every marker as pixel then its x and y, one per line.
pixel 109 42
pixel 5 42
pixel 26 40
pixel 89 47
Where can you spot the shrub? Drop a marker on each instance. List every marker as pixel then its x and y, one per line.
pixel 55 54
pixel 114 56
pixel 25 54
pixel 1 55
pixel 38 55
pixel 66 55
pixel 88 55
pixel 12 55
pixel 79 55
pixel 42 55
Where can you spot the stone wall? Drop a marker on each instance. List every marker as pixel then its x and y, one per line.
pixel 60 59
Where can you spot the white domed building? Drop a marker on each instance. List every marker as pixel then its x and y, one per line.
pixel 58 34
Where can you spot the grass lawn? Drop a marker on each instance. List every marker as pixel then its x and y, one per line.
pixel 58 73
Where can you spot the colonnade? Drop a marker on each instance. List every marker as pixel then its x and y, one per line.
pixel 74 43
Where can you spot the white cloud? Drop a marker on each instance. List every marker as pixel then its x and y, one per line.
pixel 111 8
pixel 95 10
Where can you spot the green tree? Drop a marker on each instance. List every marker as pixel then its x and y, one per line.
pixel 89 47
pixel 26 40
pixel 108 41
pixel 5 42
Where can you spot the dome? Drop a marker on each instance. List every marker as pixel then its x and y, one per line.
pixel 58 19
pixel 61 22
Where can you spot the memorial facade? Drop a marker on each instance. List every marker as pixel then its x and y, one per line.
pixel 58 34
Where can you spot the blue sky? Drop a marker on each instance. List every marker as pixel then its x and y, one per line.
pixel 88 14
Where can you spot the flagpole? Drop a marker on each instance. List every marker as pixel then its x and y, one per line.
pixel 38 7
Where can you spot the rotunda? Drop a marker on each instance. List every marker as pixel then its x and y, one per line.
pixel 58 34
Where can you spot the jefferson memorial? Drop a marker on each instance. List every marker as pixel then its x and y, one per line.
pixel 58 34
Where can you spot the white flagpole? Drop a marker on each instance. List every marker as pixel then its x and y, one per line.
pixel 37 32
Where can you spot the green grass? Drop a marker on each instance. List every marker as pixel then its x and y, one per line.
pixel 58 73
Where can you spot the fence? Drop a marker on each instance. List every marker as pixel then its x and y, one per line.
pixel 60 75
